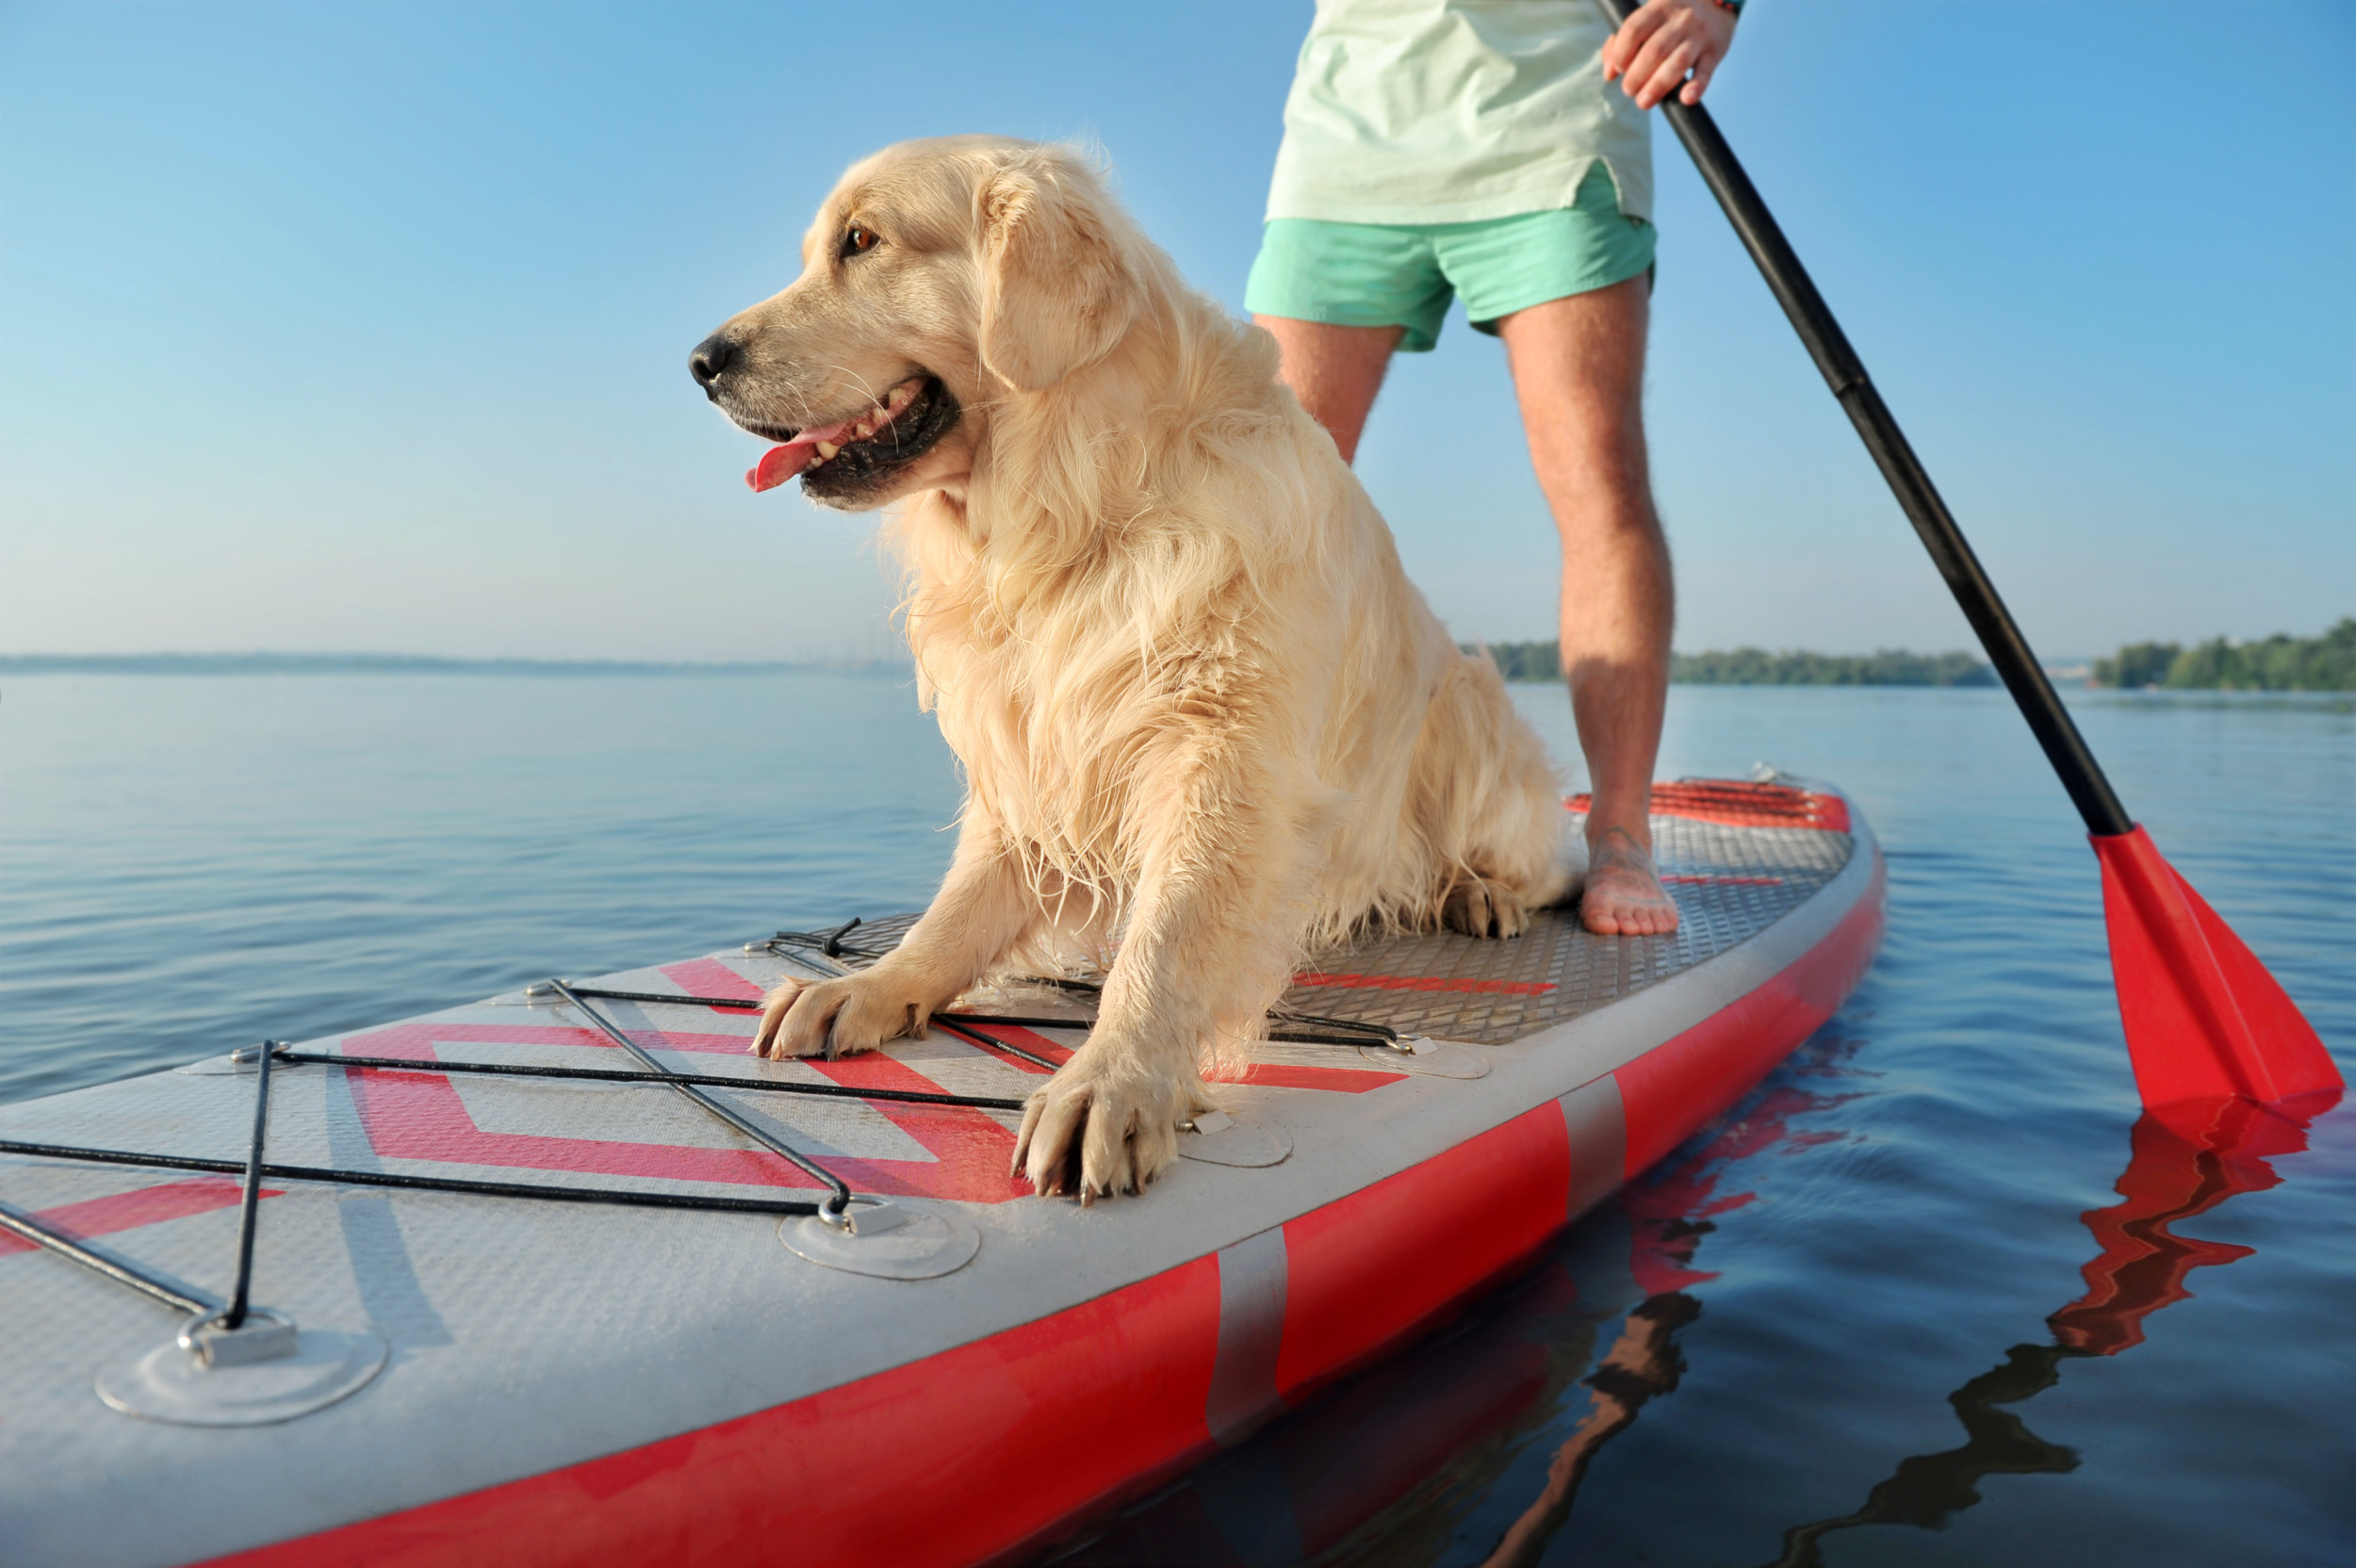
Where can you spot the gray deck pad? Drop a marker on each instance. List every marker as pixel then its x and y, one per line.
pixel 1730 883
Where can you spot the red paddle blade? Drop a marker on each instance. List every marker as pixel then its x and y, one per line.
pixel 2203 1016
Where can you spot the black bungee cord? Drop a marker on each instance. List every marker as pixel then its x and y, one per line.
pixel 835 1210
pixel 249 1202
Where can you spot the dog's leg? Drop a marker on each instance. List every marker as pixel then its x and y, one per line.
pixel 1489 802
pixel 1208 946
pixel 982 906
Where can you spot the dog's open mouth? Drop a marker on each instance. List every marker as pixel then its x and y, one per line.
pixel 850 455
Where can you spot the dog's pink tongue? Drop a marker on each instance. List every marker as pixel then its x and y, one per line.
pixel 779 464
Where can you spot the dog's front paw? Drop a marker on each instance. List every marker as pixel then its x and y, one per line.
pixel 1480 907
pixel 1100 1126
pixel 808 1018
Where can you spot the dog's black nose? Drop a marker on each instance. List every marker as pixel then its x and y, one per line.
pixel 712 355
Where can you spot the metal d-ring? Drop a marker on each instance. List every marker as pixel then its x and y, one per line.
pixel 262 1335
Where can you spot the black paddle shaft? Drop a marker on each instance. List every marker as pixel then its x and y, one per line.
pixel 1845 373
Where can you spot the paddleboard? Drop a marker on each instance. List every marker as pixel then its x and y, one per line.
pixel 441 1370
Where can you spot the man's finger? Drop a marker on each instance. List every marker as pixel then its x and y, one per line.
pixel 1661 51
pixel 1623 46
pixel 1665 78
pixel 1703 70
pixel 1639 68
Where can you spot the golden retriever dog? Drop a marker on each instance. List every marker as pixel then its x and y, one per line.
pixel 1207 726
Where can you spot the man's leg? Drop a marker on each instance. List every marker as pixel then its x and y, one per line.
pixel 1578 369
pixel 1335 371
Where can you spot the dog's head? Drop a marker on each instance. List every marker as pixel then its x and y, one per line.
pixel 940 279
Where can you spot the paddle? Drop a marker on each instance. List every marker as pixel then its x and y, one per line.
pixel 2203 1016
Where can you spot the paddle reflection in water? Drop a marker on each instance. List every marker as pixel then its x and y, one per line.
pixel 2141 1267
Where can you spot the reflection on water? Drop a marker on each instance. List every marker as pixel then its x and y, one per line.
pixel 1642 1364
pixel 2140 1268
pixel 2142 1265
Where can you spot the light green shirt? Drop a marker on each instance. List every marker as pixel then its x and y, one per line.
pixel 1448 111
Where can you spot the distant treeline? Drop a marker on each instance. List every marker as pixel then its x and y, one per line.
pixel 1758 667
pixel 2280 663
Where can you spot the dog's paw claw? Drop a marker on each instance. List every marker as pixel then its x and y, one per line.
pixel 1480 907
pixel 1094 1133
pixel 836 1018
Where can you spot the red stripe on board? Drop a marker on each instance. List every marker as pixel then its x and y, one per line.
pixel 944 1461
pixel 975 1152
pixel 416 1041
pixel 1739 803
pixel 1681 1083
pixel 1332 1079
pixel 1029 1039
pixel 422 1116
pixel 417 1115
pixel 711 977
pixel 1372 1269
pixel 127 1211
pixel 1426 983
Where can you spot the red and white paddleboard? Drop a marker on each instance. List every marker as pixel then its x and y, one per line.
pixel 967 1374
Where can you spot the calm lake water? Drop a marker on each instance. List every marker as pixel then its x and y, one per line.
pixel 1822 1326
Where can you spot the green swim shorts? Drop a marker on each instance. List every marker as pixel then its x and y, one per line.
pixel 1404 274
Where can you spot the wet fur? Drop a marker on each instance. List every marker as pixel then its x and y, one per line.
pixel 1208 727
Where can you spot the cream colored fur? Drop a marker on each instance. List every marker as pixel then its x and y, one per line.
pixel 1206 723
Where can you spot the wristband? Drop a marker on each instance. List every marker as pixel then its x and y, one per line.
pixel 1734 5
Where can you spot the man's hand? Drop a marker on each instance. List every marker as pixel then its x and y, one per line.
pixel 1652 52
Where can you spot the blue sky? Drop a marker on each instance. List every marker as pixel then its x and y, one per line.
pixel 365 327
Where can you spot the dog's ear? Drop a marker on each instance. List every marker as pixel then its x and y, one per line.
pixel 1057 291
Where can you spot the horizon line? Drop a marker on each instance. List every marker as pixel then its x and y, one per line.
pixel 265 660
pixel 363 655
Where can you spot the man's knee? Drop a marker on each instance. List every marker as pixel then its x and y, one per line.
pixel 1587 444
pixel 1598 489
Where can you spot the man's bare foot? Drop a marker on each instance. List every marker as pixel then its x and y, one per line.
pixel 1623 897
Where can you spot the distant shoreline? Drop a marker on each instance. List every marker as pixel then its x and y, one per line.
pixel 407 663
pixel 1532 662
pixel 2278 663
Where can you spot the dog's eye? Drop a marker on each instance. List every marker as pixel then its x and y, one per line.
pixel 858 239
